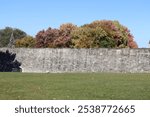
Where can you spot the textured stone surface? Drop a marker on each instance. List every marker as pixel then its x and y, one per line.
pixel 83 60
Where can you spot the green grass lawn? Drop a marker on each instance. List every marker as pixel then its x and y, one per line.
pixel 90 86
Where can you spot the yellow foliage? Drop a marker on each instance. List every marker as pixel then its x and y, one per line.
pixel 27 42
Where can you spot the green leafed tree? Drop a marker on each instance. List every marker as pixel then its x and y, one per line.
pixel 5 35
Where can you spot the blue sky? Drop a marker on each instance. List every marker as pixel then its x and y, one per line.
pixel 35 15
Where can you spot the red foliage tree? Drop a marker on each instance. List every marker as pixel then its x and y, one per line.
pixel 64 40
pixel 45 39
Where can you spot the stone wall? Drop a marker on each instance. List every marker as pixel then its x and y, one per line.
pixel 83 60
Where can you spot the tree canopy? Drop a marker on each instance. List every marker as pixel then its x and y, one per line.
pixel 98 34
pixel 5 35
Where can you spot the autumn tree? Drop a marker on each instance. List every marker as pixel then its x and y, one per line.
pixel 114 30
pixel 45 39
pixel 85 37
pixel 64 39
pixel 27 42
pixel 55 38
pixel 98 34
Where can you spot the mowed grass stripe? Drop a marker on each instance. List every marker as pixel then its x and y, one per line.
pixel 74 86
